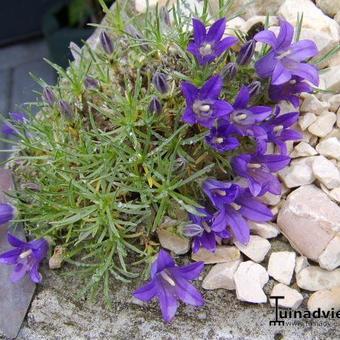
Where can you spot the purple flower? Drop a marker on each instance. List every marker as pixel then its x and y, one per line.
pixel 254 88
pixel 203 105
pixel 223 137
pixel 246 52
pixel 289 91
pixel 258 169
pixel 155 106
pixel 7 213
pixel 26 258
pixel 278 129
pixel 244 117
pixel 286 60
pixel 235 206
pixel 169 283
pixel 207 237
pixel 160 82
pixel 65 109
pixel 229 71
pixel 48 95
pixel 16 117
pixel 91 83
pixel 207 46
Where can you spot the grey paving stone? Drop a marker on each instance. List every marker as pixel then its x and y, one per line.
pixel 15 55
pixel 23 85
pixel 5 90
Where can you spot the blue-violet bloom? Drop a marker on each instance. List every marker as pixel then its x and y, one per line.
pixel 26 258
pixel 286 59
pixel 170 283
pixel 208 45
pixel 7 213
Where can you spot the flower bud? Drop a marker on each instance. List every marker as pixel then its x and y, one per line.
pixel 132 30
pixel 164 14
pixel 254 88
pixel 65 108
pixel 192 230
pixel 246 52
pixel 229 71
pixel 160 82
pixel 48 95
pixel 155 105
pixel 106 42
pixel 91 83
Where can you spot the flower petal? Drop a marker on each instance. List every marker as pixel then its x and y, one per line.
pixel 190 92
pixel 164 260
pixel 18 273
pixel 238 225
pixel 280 74
pixel 224 45
pixel 212 88
pixel 34 273
pixel 167 300
pixel 188 293
pixel 189 272
pixel 305 71
pixel 267 37
pixel 253 210
pixel 303 50
pixel 10 257
pixel 265 66
pixel 15 242
pixel 146 292
pixel 285 37
pixel 242 98
pixel 199 31
pixel 216 30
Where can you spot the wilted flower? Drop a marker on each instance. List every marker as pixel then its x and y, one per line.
pixel 229 71
pixel 65 109
pixel 258 169
pixel 91 83
pixel 106 42
pixel 207 46
pixel 235 206
pixel 155 105
pixel 160 82
pixel 48 95
pixel 170 283
pixel 203 105
pixel 286 60
pixel 7 213
pixel 223 137
pixel 26 258
pixel 246 52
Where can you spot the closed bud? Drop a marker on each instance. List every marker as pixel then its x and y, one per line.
pixel 48 95
pixel 229 71
pixel 134 33
pixel 164 14
pixel 155 105
pixel 192 230
pixel 246 52
pixel 65 108
pixel 106 42
pixel 254 88
pixel 160 82
pixel 91 83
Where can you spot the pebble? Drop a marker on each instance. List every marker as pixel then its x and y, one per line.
pixel 326 300
pixel 331 77
pixel 334 103
pixel 292 298
pixel 271 199
pixel 312 104
pixel 256 249
pixel 303 149
pixel 306 120
pixel 329 147
pixel 309 220
pixel 265 229
pixel 330 257
pixel 314 278
pixel 301 263
pixel 221 255
pixel 326 172
pixel 281 266
pixel 177 244
pixel 250 277
pixel 323 124
pixel 221 275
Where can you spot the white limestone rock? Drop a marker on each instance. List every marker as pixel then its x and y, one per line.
pixel 326 300
pixel 271 199
pixel 292 298
pixel 326 172
pixel 312 104
pixel 221 276
pixel 256 249
pixel 329 147
pixel 313 278
pixel 301 262
pixel 281 266
pixel 264 229
pixel 323 124
pixel 298 173
pixel 177 244
pixel 250 277
pixel 335 194
pixel 306 120
pixel 331 77
pixel 330 7
pixel 309 220
pixel 221 255
pixel 334 103
pixel 330 257
pixel 303 149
